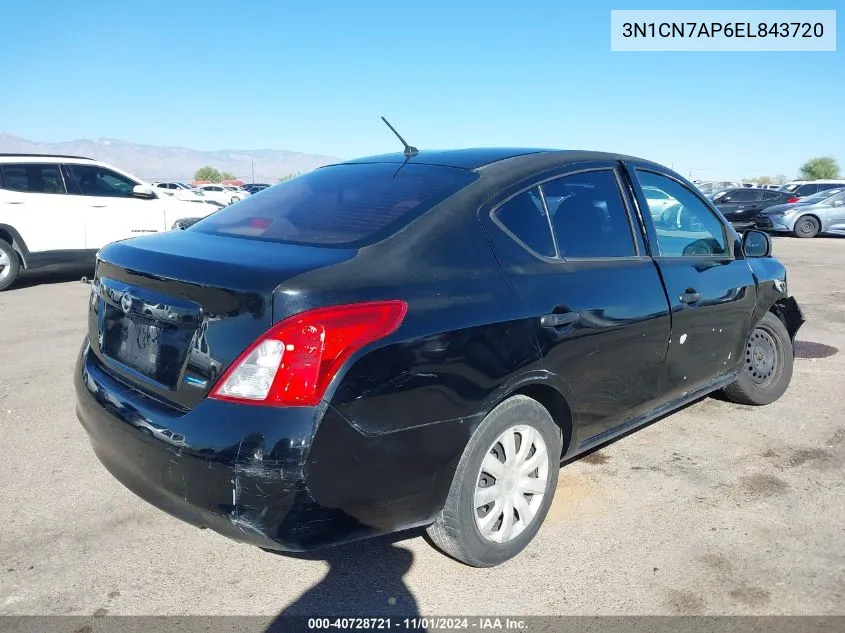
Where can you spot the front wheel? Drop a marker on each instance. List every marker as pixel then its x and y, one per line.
pixel 806 226
pixel 767 365
pixel 10 265
pixel 503 487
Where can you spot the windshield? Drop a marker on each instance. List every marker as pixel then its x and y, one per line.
pixel 350 205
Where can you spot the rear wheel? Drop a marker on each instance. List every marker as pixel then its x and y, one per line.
pixel 503 486
pixel 10 265
pixel 767 366
pixel 806 226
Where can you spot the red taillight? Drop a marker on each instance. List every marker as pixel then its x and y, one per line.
pixel 294 361
pixel 792 199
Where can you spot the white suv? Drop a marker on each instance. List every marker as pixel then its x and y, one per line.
pixel 63 209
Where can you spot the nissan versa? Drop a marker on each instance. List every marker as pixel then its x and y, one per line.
pixel 419 339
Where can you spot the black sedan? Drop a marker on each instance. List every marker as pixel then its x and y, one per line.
pixel 742 206
pixel 419 340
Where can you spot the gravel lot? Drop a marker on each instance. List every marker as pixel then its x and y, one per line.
pixel 717 509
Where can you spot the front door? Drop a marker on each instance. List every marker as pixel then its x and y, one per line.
pixel 711 289
pixel 111 209
pixel 601 314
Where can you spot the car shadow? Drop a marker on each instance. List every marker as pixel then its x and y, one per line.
pixel 46 276
pixel 364 579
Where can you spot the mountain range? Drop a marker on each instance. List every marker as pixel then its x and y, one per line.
pixel 153 162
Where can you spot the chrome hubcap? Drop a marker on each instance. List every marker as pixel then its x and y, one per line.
pixel 5 265
pixel 761 357
pixel 511 484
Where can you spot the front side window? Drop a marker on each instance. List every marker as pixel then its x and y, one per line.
pixel 589 216
pixel 524 217
pixel 93 180
pixel 688 228
pixel 34 178
pixel 349 205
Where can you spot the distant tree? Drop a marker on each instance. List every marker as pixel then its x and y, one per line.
pixel 779 179
pixel 227 176
pixel 760 180
pixel 289 176
pixel 820 167
pixel 208 173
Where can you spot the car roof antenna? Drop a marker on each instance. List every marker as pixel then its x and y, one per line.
pixel 410 151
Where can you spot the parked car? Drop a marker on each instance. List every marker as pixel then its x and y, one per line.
pixel 742 206
pixel 256 187
pixel 658 201
pixel 419 341
pixel 823 212
pixel 178 189
pixel 62 209
pixel 803 188
pixel 222 193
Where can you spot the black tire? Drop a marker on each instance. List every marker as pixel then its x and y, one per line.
pixel 9 272
pixel 767 365
pixel 455 530
pixel 806 226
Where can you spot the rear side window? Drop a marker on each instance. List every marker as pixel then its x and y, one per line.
pixel 349 205
pixel 524 217
pixel 589 217
pixel 34 178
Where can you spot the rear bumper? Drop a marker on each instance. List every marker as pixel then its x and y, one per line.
pixel 288 479
pixel 231 471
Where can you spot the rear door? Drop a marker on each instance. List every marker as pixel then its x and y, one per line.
pixel 579 265
pixel 34 202
pixel 712 292
pixel 112 211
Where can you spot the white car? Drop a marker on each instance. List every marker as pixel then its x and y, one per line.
pixel 223 194
pixel 658 201
pixel 178 190
pixel 63 209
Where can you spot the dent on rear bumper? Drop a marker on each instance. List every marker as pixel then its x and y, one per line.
pixel 215 466
pixel 289 479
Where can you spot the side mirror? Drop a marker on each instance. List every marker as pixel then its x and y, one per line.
pixel 143 191
pixel 756 244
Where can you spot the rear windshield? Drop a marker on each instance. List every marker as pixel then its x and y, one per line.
pixel 340 205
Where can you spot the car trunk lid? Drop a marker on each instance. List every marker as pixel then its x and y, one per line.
pixel 170 312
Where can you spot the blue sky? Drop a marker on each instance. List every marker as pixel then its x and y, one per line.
pixel 315 76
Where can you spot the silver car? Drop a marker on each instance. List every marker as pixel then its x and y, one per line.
pixel 823 212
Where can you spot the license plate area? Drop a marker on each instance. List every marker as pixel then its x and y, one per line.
pixel 146 333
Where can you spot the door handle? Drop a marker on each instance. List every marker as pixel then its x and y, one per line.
pixel 98 206
pixel 690 296
pixel 558 319
pixel 14 201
